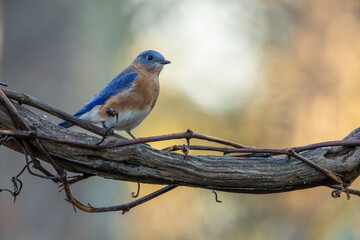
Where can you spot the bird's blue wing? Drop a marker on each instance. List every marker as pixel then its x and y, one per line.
pixel 120 83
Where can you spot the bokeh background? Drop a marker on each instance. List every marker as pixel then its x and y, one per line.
pixel 262 73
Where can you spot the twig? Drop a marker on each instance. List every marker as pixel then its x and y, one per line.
pixel 26 151
pixel 18 121
pixel 123 207
pixel 17 185
pixel 328 173
pixel 184 135
pixel 133 195
pixel 31 101
pixel 216 196
pixel 336 193
pixel 74 179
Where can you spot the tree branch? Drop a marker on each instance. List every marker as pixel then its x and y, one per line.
pixel 226 173
pixel 334 164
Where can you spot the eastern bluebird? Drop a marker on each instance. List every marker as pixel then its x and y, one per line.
pixel 126 101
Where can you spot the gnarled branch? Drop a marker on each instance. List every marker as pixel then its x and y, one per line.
pixel 333 164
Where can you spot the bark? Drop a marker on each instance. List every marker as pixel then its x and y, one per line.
pixel 141 163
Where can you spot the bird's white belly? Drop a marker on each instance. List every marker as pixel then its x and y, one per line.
pixel 127 120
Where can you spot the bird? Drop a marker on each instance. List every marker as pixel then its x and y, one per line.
pixel 128 99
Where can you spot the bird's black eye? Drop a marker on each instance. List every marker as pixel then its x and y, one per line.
pixel 149 57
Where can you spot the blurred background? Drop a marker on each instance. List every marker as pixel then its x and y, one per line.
pixel 263 73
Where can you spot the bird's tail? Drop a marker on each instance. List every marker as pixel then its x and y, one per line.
pixel 65 124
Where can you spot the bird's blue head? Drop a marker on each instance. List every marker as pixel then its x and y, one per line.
pixel 151 59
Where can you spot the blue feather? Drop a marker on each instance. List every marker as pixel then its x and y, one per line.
pixel 120 83
pixel 65 124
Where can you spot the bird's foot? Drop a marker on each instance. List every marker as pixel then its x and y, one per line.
pixel 112 113
pixel 107 132
pixel 131 135
pixel 148 145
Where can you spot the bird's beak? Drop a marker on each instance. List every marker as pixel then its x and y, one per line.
pixel 163 62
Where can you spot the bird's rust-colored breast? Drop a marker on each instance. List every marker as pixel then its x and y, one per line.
pixel 143 94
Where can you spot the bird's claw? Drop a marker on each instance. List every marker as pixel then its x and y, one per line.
pixel 112 113
pixel 107 132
